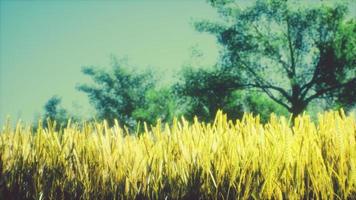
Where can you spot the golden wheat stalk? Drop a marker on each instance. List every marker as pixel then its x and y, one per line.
pixel 221 160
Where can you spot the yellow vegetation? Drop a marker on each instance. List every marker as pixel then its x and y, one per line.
pixel 223 160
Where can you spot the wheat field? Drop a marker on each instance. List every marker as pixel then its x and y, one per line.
pixel 225 159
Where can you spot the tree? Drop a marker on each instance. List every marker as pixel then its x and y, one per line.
pixel 159 104
pixel 293 54
pixel 252 101
pixel 347 51
pixel 204 91
pixel 55 113
pixel 117 93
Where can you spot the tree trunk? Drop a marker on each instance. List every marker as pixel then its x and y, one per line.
pixel 298 105
pixel 297 108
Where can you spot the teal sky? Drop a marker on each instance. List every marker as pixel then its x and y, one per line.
pixel 44 44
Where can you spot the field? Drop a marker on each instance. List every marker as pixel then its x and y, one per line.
pixel 222 160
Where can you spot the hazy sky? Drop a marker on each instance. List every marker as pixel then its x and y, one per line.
pixel 44 44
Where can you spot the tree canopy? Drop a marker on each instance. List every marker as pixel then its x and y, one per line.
pixel 202 92
pixel 128 96
pixel 117 93
pixel 292 53
pixel 55 113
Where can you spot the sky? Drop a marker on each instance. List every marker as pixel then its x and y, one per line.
pixel 44 45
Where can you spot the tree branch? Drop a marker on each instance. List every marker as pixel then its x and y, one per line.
pixel 278 89
pixel 291 51
pixel 263 84
pixel 279 101
pixel 312 81
pixel 265 89
pixel 274 53
pixel 329 89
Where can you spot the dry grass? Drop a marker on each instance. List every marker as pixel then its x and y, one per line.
pixel 223 160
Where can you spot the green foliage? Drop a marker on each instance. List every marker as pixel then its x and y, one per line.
pixel 249 101
pixel 345 46
pixel 159 104
pixel 54 112
pixel 292 53
pixel 116 94
pixel 203 92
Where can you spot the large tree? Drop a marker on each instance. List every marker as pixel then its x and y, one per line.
pixel 293 53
